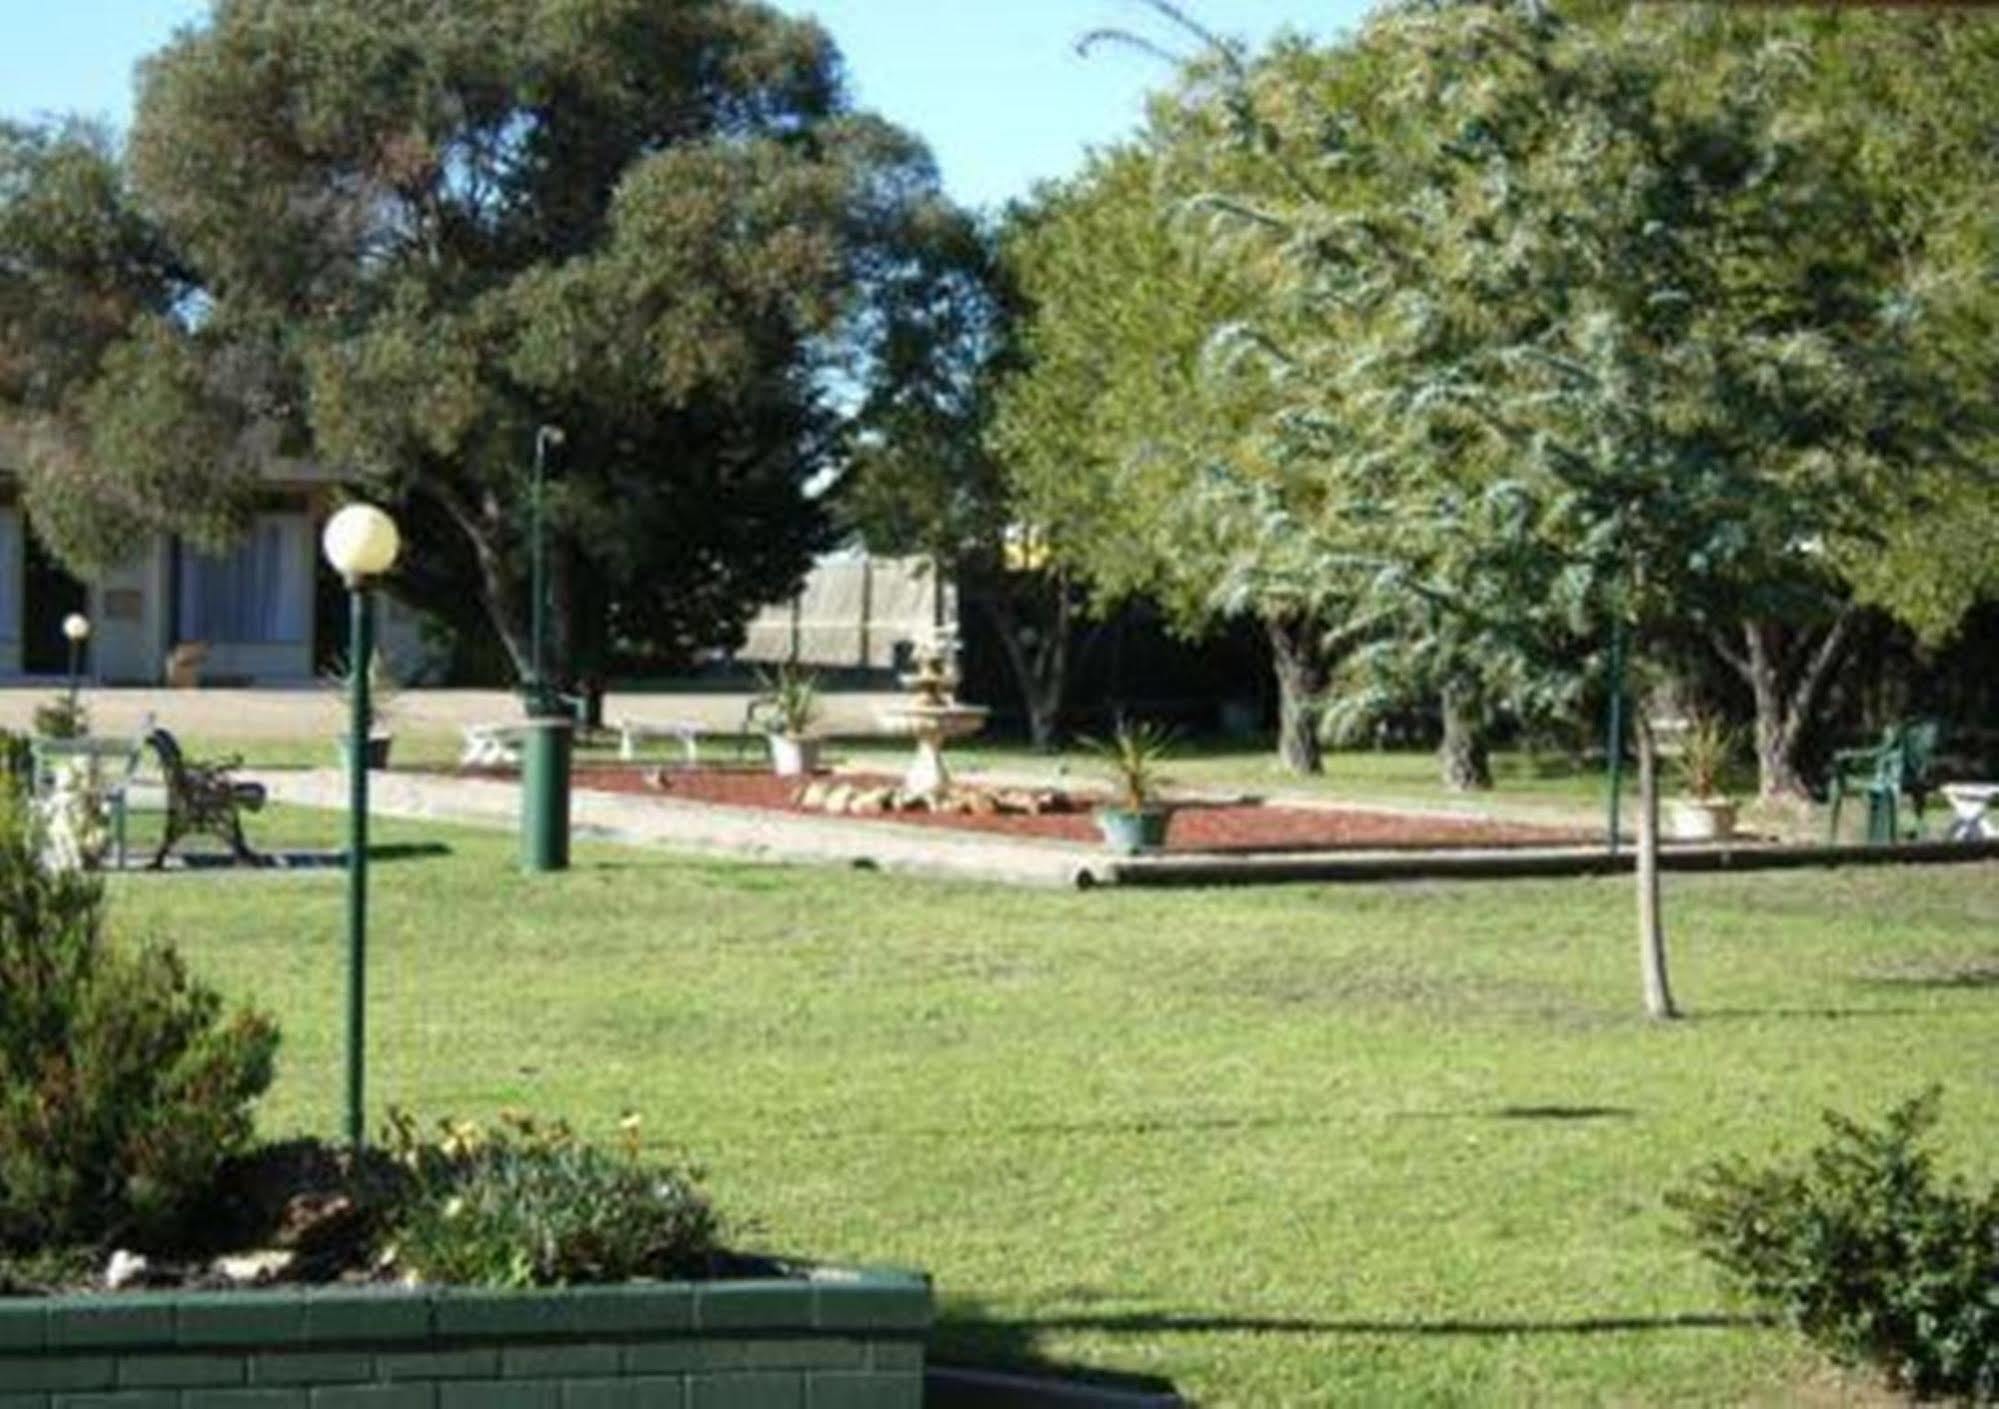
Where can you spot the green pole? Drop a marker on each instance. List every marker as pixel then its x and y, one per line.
pixel 538 569
pixel 545 761
pixel 1615 745
pixel 361 650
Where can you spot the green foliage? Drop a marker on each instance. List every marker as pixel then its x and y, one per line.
pixel 527 1204
pixel 1133 753
pixel 400 238
pixel 64 717
pixel 17 762
pixel 123 1085
pixel 1867 1250
pixel 787 701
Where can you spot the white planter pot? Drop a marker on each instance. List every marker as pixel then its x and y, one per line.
pixel 1700 818
pixel 792 756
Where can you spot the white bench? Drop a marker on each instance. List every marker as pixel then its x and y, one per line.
pixel 633 732
pixel 491 745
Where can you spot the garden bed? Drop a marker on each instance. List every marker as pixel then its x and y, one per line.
pixel 831 1337
pixel 1198 826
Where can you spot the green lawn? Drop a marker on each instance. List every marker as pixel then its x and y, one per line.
pixel 1291 1146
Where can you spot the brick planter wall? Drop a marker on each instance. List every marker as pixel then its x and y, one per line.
pixel 838 1340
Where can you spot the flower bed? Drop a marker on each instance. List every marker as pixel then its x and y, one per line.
pixel 1196 826
pixel 829 1337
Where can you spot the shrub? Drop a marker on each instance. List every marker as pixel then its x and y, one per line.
pixel 528 1204
pixel 64 717
pixel 1866 1250
pixel 122 1085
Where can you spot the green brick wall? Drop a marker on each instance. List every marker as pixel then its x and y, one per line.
pixel 839 1340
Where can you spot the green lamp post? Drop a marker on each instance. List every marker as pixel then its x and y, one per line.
pixel 361 543
pixel 75 630
pixel 545 753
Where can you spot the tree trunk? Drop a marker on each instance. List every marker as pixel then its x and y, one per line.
pixel 482 527
pixel 1467 764
pixel 1298 657
pixel 1039 659
pixel 1786 677
pixel 1651 924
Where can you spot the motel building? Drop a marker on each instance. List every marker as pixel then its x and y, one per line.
pixel 244 617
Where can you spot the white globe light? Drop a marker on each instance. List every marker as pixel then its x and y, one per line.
pixel 361 541
pixel 76 626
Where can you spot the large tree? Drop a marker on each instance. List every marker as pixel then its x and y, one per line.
pixel 415 232
pixel 1120 415
pixel 1617 354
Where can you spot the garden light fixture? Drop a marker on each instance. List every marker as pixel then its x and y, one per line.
pixel 361 543
pixel 76 629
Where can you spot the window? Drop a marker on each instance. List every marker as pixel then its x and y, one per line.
pixel 259 593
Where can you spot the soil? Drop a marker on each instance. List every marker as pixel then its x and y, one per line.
pixel 1239 826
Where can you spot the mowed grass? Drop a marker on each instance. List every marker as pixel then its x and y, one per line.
pixel 1360 1145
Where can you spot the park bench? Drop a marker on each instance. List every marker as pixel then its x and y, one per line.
pixel 203 797
pixel 1903 763
pixel 633 732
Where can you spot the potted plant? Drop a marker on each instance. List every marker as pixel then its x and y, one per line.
pixel 786 705
pixel 1135 820
pixel 1703 812
pixel 382 691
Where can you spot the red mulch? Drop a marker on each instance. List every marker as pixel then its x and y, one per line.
pixel 1196 826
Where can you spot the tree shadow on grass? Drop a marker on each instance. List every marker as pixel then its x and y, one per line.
pixel 969 1336
pixel 1939 977
pixel 1827 1014
pixel 1163 1323
pixel 1225 1124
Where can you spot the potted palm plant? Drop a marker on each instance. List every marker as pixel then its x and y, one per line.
pixel 1703 812
pixel 1136 819
pixel 382 691
pixel 785 708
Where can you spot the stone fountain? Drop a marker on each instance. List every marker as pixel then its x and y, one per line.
pixel 932 717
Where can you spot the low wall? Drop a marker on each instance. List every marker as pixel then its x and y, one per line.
pixel 838 1340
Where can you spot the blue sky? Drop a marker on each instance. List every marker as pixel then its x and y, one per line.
pixel 994 86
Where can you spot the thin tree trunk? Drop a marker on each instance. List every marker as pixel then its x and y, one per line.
pixel 496 583
pixel 1467 764
pixel 1298 658
pixel 1651 923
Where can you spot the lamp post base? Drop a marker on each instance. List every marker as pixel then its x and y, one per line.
pixel 545 759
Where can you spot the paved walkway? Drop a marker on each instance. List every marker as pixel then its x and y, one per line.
pixel 304 711
pixel 743 833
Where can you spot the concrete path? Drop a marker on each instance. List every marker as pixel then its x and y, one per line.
pixel 309 711
pixel 742 833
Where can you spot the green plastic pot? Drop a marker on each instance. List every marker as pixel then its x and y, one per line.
pixel 1129 831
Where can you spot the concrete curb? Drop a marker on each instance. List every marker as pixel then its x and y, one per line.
pixel 739 833
pixel 753 834
pixel 1495 863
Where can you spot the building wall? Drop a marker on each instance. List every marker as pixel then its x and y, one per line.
pixel 128 607
pixel 852 613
